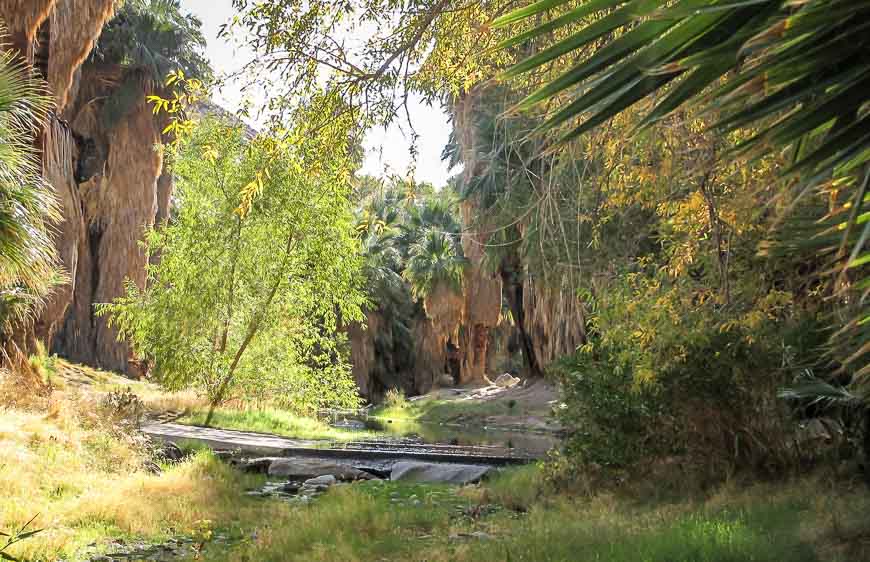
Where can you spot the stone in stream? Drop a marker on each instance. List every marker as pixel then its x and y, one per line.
pixel 300 469
pixel 325 480
pixel 446 473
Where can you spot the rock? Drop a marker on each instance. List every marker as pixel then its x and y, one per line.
pixel 325 480
pixel 257 466
pixel 171 452
pixel 445 380
pixel 290 487
pixel 303 469
pixel 413 471
pixel 506 380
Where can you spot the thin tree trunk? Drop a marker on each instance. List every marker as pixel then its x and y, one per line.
pixel 253 328
pixel 513 290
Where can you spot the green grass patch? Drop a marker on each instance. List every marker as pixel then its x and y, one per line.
pixel 391 521
pixel 272 420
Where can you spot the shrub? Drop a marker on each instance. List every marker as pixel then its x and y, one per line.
pixel 395 398
pixel 666 377
pixel 122 407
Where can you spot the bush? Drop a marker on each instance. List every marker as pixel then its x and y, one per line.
pixel 665 378
pixel 122 408
pixel 395 398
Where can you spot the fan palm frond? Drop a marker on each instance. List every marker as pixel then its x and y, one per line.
pixel 795 73
pixel 28 209
pixel 435 258
pixel 148 39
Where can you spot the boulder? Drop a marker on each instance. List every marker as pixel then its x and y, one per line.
pixel 325 480
pixel 303 469
pixel 506 380
pixel 446 473
pixel 446 380
pixel 171 452
pixel 256 466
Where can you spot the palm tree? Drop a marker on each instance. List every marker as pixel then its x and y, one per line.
pixel 795 73
pixel 147 40
pixel 435 261
pixel 28 260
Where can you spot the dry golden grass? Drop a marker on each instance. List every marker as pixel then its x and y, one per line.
pixel 89 482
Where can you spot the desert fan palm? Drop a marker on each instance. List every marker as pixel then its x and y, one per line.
pixel 28 208
pixel 793 72
pixel 148 39
pixel 434 260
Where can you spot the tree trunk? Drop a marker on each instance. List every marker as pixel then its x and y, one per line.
pixel 253 328
pixel 513 291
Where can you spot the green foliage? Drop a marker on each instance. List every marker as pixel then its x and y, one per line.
pixel 434 260
pixel 29 266
pixel 409 235
pixel 663 376
pixel 257 269
pixel 410 242
pixel 149 40
pixel 792 74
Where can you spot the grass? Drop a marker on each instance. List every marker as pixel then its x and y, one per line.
pixel 431 410
pixel 377 521
pixel 89 484
pixel 273 420
pixel 71 379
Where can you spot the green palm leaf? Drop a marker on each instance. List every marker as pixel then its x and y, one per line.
pixel 797 73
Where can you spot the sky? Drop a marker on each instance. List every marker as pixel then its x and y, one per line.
pixel 387 151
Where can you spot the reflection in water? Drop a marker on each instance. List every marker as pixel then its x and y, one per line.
pixel 521 442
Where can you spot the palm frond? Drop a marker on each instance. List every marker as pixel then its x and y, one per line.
pixel 796 74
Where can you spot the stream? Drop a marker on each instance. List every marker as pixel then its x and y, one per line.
pixel 531 444
pixel 393 442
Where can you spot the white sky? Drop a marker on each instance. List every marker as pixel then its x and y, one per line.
pixel 387 152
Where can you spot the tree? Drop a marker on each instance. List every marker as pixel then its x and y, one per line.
pixel 29 267
pixel 256 270
pixel 793 73
pixel 148 40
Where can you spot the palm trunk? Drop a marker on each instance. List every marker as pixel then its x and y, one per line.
pixel 513 290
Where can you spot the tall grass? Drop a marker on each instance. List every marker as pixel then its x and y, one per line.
pixel 89 483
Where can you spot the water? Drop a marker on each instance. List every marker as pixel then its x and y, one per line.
pixel 521 443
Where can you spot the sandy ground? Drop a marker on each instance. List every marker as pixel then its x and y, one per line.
pixel 534 402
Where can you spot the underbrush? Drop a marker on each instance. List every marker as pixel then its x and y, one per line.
pixel 668 381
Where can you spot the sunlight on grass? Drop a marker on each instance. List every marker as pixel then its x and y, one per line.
pixel 273 420
pixel 375 521
pixel 89 485
pixel 429 410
